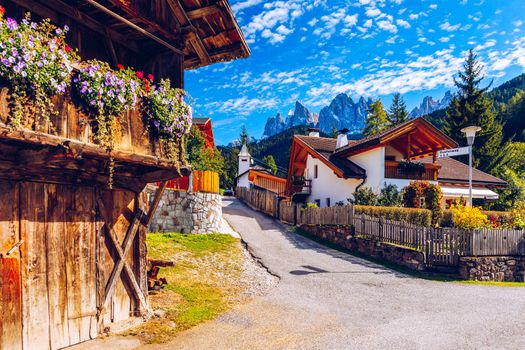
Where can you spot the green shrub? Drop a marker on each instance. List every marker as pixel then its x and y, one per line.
pixel 364 196
pixel 422 217
pixel 390 196
pixel 447 218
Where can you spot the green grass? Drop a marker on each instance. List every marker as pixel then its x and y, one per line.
pixel 496 284
pixel 200 286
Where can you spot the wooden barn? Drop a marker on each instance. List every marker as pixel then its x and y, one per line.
pixel 72 251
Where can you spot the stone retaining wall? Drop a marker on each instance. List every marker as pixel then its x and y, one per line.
pixel 344 237
pixel 187 212
pixel 493 268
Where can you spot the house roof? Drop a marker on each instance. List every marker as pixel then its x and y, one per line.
pixel 457 172
pixel 418 126
pixel 325 148
pixel 451 171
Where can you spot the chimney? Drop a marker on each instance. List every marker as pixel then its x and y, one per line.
pixel 313 132
pixel 342 138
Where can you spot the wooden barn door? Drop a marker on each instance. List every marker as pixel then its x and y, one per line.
pixel 10 289
pixel 57 224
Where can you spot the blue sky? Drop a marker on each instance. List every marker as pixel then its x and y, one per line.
pixel 312 50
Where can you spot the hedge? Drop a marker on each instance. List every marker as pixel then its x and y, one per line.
pixel 422 217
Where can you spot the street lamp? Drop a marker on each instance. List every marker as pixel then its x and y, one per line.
pixel 470 133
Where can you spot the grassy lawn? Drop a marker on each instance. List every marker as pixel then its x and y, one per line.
pixel 493 283
pixel 203 283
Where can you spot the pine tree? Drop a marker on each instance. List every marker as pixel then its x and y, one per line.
pixel 376 120
pixel 244 137
pixel 270 162
pixel 397 113
pixel 471 106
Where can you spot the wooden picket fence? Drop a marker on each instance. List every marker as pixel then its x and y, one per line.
pixel 486 242
pixel 338 215
pixel 441 246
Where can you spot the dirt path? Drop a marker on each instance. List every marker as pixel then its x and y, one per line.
pixel 330 300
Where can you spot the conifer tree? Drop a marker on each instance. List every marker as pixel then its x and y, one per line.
pixel 244 137
pixel 270 162
pixel 471 106
pixel 376 120
pixel 397 113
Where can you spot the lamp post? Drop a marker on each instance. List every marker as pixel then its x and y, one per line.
pixel 470 133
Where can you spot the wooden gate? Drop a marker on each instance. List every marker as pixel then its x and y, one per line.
pixel 65 281
pixel 445 246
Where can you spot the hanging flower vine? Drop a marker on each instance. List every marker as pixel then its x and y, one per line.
pixel 107 94
pixel 37 62
pixel 169 117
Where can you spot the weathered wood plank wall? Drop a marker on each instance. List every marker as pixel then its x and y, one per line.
pixel 53 286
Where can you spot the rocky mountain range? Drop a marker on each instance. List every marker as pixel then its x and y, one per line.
pixel 300 116
pixel 430 105
pixel 342 113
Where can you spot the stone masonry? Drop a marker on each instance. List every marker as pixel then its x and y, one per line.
pixel 493 268
pixel 344 237
pixel 187 212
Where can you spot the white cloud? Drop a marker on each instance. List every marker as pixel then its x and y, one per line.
pixel 368 23
pixel 387 26
pixel 413 16
pixel 245 4
pixel 403 23
pixel 313 22
pixel 433 6
pixel 449 27
pixel 372 12
pixel 444 39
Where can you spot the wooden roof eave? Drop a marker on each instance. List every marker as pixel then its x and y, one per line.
pixel 320 157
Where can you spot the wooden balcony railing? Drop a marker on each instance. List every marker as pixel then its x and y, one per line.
pixel 392 171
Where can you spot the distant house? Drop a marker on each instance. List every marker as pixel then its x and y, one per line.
pixel 329 170
pixel 256 176
pixel 183 183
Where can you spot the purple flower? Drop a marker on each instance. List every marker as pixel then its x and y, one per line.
pixel 11 24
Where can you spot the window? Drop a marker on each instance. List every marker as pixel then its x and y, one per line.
pixel 422 202
pixel 318 202
pixel 315 171
pixel 327 202
pixel 391 158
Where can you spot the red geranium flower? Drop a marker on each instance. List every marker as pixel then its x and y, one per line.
pixel 2 10
pixel 67 48
pixel 140 75
pixel 151 77
pixel 120 66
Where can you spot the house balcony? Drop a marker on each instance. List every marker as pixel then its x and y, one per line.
pixel 428 172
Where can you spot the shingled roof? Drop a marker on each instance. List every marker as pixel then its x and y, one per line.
pixel 325 148
pixel 457 172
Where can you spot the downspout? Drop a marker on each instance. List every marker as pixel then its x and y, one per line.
pixel 361 184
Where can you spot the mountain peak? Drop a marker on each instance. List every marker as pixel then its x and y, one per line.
pixel 430 105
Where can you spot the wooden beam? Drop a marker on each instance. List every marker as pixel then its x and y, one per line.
pixel 203 11
pixel 121 263
pixel 61 7
pixel 192 37
pixel 152 26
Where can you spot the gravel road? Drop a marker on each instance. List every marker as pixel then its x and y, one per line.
pixel 326 299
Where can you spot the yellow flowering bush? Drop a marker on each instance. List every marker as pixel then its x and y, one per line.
pixel 518 215
pixel 468 217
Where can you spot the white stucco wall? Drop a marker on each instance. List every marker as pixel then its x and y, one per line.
pixel 327 184
pixel 243 181
pixel 373 162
